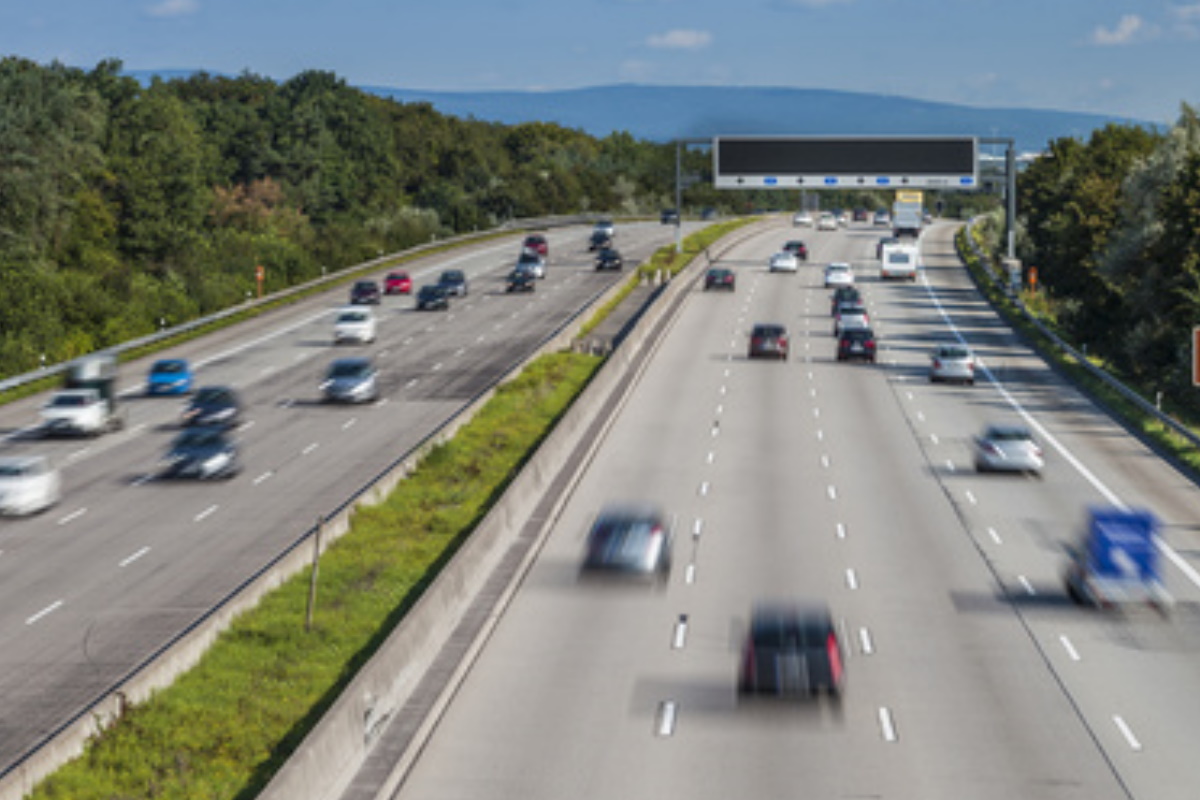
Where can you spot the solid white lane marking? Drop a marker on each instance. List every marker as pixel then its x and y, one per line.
pixel 310 448
pixel 74 515
pixel 851 579
pixel 1127 732
pixel 864 638
pixel 666 718
pixel 130 559
pixel 1028 586
pixel 885 724
pixel 50 609
pixel 206 513
pixel 1070 648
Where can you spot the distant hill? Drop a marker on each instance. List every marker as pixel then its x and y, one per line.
pixel 662 113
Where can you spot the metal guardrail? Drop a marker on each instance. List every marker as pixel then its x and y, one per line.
pixel 331 278
pixel 1142 403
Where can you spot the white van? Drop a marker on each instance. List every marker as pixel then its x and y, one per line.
pixel 900 261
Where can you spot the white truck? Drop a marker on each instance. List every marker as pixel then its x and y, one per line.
pixel 87 404
pixel 899 261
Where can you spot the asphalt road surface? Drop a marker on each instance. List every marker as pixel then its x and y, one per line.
pixel 969 673
pixel 92 587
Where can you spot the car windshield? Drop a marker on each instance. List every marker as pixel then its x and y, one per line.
pixel 16 470
pixel 198 437
pixel 169 367
pixel 364 286
pixel 430 291
pixel 788 633
pixel 954 352
pixel 212 396
pixel 349 369
pixel 353 316
pixel 452 277
pixel 1009 435
pixel 69 400
pixel 768 330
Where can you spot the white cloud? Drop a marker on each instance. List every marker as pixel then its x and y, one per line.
pixel 1125 31
pixel 173 8
pixel 1186 21
pixel 680 40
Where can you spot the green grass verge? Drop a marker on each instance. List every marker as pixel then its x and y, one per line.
pixel 1152 431
pixel 224 727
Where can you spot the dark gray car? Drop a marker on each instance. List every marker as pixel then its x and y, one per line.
pixel 792 649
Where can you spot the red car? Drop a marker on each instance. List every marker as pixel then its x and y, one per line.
pixel 537 243
pixel 397 283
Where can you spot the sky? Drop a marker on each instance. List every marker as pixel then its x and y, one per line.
pixel 1129 58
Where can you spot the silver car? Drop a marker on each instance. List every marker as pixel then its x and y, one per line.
pixel 28 484
pixel 952 362
pixel 1008 448
pixel 351 380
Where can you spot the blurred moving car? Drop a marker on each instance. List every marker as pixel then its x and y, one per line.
pixel 169 376
pixel 354 324
pixel 28 484
pixel 364 293
pixel 769 340
pixel 802 219
pixel 952 362
pixel 432 297
pixel 669 216
pixel 205 453
pixel 606 227
pixel 856 344
pixel 792 649
pixel 75 412
pixel 537 243
pixel 213 405
pixel 720 278
pixel 838 273
pixel 398 282
pixel 532 261
pixel 827 222
pixel 797 248
pixel 454 282
pixel 351 380
pixel 520 280
pixel 599 240
pixel 609 258
pixel 1008 448
pixel 784 262
pixel 629 539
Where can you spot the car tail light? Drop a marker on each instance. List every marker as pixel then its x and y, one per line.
pixel 870 343
pixel 937 363
pixel 835 658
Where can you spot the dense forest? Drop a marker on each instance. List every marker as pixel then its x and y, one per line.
pixel 125 206
pixel 1112 225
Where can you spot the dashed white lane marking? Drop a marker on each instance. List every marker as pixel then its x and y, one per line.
pixel 130 559
pixel 480 338
pixel 970 497
pixel 690 576
pixel 933 437
pixel 831 491
pixel 950 467
pixel 665 723
pixel 820 435
pixel 1070 648
pixel 459 351
pixel 724 389
pixel 841 531
pixel 851 579
pixel 697 527
pixel 864 639
pixel 79 454
pixel 908 395
pixel 885 724
pixel 350 423
pixel 407 341
pixel 310 448
pixel 437 366
pixel 74 515
pixel 50 609
pixel 142 481
pixel 266 476
pixel 825 461
pixel 680 637
pixel 1127 732
pixel 816 412
pixel 712 456
pixel 704 488
pixel 720 409
pixel 1026 584
pixel 205 514
pixel 995 536
pixel 412 383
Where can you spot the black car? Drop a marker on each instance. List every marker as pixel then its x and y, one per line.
pixel 844 294
pixel 792 649
pixel 769 340
pixel 797 248
pixel 521 280
pixel 213 405
pixel 856 344
pixel 600 239
pixel 629 540
pixel 609 258
pixel 365 293
pixel 720 278
pixel 454 282
pixel 432 297
pixel 205 453
pixel 669 216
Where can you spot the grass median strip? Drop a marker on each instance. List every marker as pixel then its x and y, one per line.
pixel 223 728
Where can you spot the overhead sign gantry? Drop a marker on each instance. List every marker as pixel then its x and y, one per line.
pixel 846 162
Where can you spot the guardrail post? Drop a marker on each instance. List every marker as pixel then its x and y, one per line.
pixel 312 580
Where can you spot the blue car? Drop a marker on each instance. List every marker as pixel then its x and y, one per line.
pixel 169 376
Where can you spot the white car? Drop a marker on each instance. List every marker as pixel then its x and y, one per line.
pixel 1008 448
pixel 838 273
pixel 354 324
pixel 850 316
pixel 784 261
pixel 28 484
pixel 952 362
pixel 827 222
pixel 802 219
pixel 75 411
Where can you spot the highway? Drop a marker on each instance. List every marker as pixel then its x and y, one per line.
pixel 94 586
pixel 969 673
